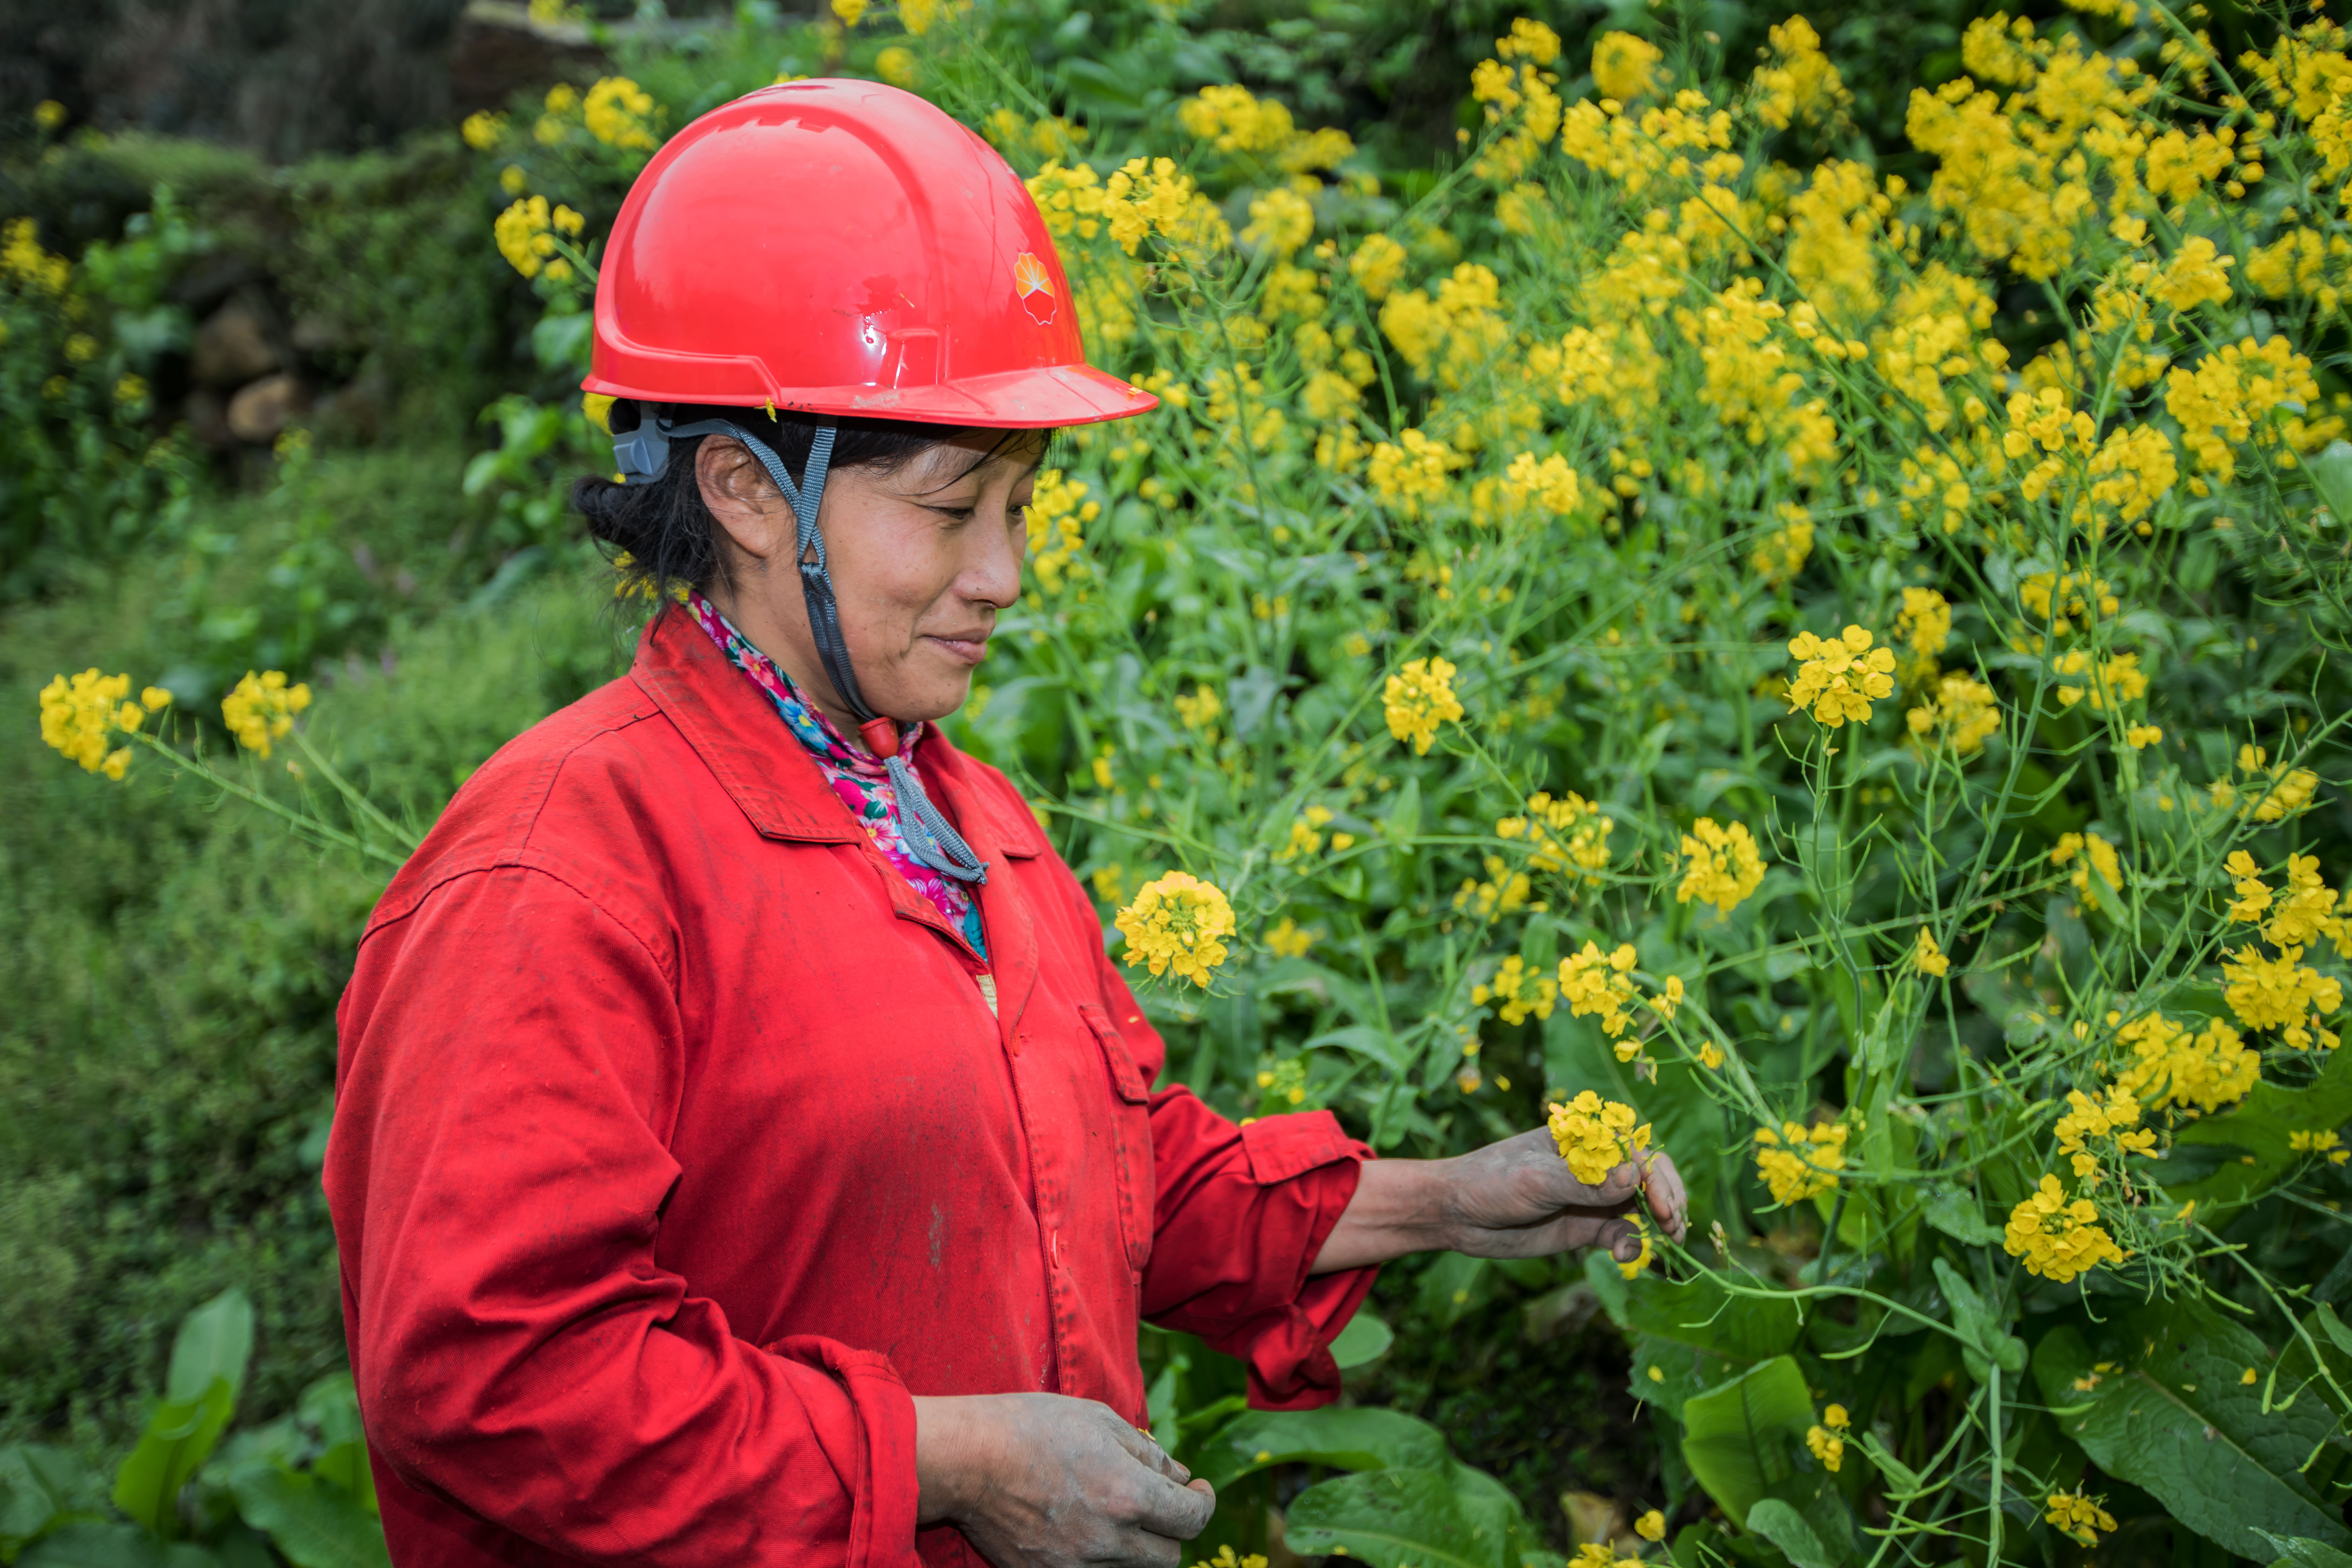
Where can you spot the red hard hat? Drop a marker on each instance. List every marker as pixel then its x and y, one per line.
pixel 843 248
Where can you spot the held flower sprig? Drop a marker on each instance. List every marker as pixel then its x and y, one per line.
pixel 1595 1136
pixel 1177 922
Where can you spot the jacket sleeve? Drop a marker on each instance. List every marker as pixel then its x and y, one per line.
pixel 1239 1215
pixel 510 1065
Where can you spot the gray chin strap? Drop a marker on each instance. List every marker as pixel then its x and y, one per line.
pixel 643 453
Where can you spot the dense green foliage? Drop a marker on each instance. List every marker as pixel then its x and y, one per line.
pixel 1442 620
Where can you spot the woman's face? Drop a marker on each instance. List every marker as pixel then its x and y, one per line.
pixel 922 557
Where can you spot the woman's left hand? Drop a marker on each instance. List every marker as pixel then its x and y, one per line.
pixel 1518 1199
pixel 1513 1199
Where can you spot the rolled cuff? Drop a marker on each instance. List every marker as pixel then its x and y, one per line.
pixel 877 1470
pixel 1231 1261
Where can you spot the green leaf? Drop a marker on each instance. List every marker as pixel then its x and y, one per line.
pixel 1959 1215
pixel 1410 1519
pixel 1784 1526
pixel 1743 1438
pixel 1988 1341
pixel 179 1435
pixel 2331 474
pixel 2299 1551
pixel 1346 1438
pixel 1699 1311
pixel 214 1345
pixel 2172 1416
pixel 2261 1124
pixel 315 1525
pixel 93 1545
pixel 1365 1340
pixel 41 1487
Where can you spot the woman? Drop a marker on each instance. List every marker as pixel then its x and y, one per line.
pixel 745 1151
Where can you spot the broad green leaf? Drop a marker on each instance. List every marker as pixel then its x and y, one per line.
pixel 1743 1438
pixel 2173 1415
pixel 214 1345
pixel 332 1405
pixel 1346 1438
pixel 2261 1124
pixel 1699 1311
pixel 1784 1526
pixel 93 1545
pixel 1365 1340
pixel 2297 1551
pixel 41 1487
pixel 1408 1518
pixel 315 1525
pixel 2331 475
pixel 180 1434
pixel 1959 1215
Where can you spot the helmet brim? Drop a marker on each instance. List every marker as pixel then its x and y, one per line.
pixel 1046 397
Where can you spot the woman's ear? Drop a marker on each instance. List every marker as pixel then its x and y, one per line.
pixel 743 499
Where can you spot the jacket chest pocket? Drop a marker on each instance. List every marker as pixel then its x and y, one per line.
pixel 1130 1135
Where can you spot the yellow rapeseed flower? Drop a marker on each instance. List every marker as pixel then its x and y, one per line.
pixel 2088 853
pixel 1722 865
pixel 1798 1162
pixel 1570 835
pixel 261 709
pixel 2079 1518
pixel 1417 699
pixel 1517 992
pixel 482 130
pixel 1826 1446
pixel 80 714
pixel 1287 938
pixel 1595 1135
pixel 2058 1239
pixel 1650 1526
pixel 1177 922
pixel 1840 676
pixel 1962 713
pixel 618 112
pixel 1927 957
pixel 1625 68
pixel 1201 709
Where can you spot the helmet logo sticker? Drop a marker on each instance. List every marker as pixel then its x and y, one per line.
pixel 1036 290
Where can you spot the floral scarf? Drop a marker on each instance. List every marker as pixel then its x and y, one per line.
pixel 856 774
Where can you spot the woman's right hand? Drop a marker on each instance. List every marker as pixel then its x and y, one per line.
pixel 1043 1480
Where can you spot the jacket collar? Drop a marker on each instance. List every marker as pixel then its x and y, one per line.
pixel 770 776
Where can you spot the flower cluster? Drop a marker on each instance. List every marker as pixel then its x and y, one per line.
pixel 2058 1238
pixel 1177 924
pixel 1417 699
pixel 2172 1067
pixel 1840 676
pixel 1058 509
pixel 1826 1438
pixel 1595 1136
pixel 2088 853
pixel 1798 1162
pixel 2112 1122
pixel 526 235
pixel 1721 864
pixel 261 709
pixel 1568 834
pixel 1962 713
pixel 1517 992
pixel 2079 1518
pixel 81 715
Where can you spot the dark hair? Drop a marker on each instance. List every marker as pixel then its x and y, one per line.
pixel 663 536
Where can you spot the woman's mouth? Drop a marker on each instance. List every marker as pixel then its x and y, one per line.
pixel 968 650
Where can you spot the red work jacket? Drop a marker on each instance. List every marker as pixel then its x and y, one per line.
pixel 676 1146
